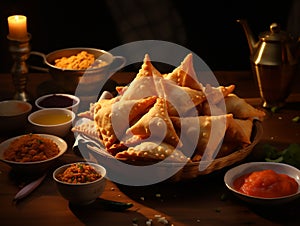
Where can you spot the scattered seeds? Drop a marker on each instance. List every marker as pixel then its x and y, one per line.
pixel 162 220
pixel 149 222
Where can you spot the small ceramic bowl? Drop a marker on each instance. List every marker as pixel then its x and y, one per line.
pixel 280 168
pixel 81 193
pixel 13 115
pixel 33 167
pixel 55 121
pixel 58 100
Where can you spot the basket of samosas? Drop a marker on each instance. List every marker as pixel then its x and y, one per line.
pixel 175 119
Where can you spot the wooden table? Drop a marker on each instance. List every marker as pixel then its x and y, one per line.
pixel 201 201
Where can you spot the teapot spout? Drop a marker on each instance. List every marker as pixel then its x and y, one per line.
pixel 249 35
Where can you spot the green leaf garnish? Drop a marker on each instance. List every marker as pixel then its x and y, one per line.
pixel 279 159
pixel 290 155
pixel 39 141
pixel 135 220
pixel 296 119
pixel 223 197
pixel 275 109
pixel 271 152
pixel 218 210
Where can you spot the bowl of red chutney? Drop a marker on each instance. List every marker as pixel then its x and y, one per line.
pixel 58 100
pixel 264 182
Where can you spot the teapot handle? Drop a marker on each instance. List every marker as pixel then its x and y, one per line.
pixel 38 68
pixel 117 64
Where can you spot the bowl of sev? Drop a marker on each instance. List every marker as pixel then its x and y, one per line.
pixel 69 66
pixel 32 154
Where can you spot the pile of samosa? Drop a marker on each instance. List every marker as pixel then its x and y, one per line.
pixel 170 116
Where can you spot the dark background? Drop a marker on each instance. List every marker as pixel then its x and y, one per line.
pixel 211 27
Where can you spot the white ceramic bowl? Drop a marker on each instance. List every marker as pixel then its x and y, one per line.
pixel 37 167
pixel 81 193
pixel 13 115
pixel 55 121
pixel 58 100
pixel 281 168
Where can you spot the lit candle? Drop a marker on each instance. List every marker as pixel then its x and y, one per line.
pixel 17 25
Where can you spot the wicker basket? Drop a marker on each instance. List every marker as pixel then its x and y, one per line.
pixel 191 169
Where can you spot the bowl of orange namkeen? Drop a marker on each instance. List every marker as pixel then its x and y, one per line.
pixel 264 182
pixel 32 154
pixel 158 116
pixel 70 67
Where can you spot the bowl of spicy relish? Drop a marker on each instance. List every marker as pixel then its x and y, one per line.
pixel 266 183
pixel 32 154
pixel 81 183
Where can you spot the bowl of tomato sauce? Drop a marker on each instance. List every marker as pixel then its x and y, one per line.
pixel 264 182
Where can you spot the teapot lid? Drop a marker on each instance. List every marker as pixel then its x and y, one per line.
pixel 275 34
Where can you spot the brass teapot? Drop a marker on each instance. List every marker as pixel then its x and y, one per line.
pixel 274 60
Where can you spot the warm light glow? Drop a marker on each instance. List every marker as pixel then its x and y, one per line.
pixel 17 25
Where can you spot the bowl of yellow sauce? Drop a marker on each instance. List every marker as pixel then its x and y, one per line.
pixel 55 121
